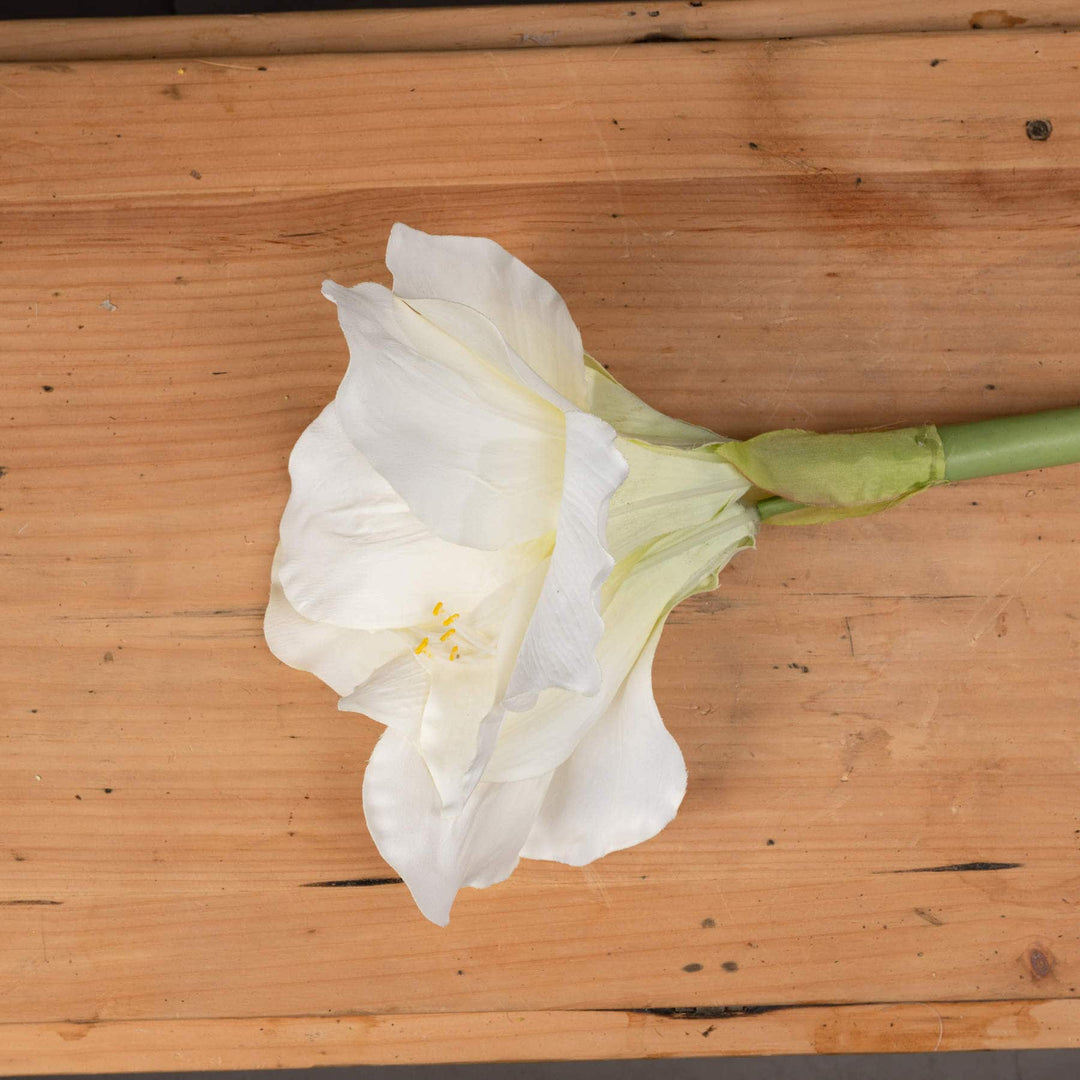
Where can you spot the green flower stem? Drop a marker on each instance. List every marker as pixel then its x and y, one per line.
pixel 1011 444
pixel 991 447
pixel 770 507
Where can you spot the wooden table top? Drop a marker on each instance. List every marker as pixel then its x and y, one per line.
pixel 880 846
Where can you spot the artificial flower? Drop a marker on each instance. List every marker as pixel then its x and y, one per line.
pixel 484 537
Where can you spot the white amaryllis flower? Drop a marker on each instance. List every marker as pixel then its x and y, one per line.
pixel 484 537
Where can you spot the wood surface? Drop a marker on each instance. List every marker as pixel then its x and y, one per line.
pixel 882 829
pixel 440 1038
pixel 507 27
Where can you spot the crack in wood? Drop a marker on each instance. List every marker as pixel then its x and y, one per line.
pixel 708 1012
pixel 954 868
pixel 352 883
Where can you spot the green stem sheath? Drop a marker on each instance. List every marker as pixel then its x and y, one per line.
pixel 991 447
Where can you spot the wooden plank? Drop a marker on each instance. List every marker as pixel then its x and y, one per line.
pixel 503 27
pixel 278 1042
pixel 838 110
pixel 890 701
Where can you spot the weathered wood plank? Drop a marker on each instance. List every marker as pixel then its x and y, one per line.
pixel 277 1042
pixel 504 27
pixel 891 702
pixel 835 110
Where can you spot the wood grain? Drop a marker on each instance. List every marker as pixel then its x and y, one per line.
pixel 308 1041
pixel 827 112
pixel 879 717
pixel 506 27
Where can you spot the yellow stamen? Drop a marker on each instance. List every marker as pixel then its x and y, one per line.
pixel 447 622
pixel 421 647
pixel 449 633
pixel 437 608
pixel 454 653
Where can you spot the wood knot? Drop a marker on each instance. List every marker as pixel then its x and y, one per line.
pixel 1038 130
pixel 1039 961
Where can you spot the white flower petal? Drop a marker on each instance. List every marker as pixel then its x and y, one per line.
pixel 667 490
pixel 464 709
pixel 479 273
pixel 560 645
pixel 341 657
pixel 459 703
pixel 354 554
pixel 395 694
pixel 630 416
pixel 435 852
pixel 443 325
pixel 622 784
pixel 465 326
pixel 477 457
pixel 643 589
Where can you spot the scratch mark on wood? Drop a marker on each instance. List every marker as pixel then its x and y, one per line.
pixel 1006 600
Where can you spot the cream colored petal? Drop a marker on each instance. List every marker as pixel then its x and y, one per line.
pixel 477 457
pixel 437 853
pixel 621 785
pixel 353 554
pixel 642 590
pixel 395 694
pixel 459 704
pixel 478 273
pixel 464 709
pixel 560 645
pixel 343 658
